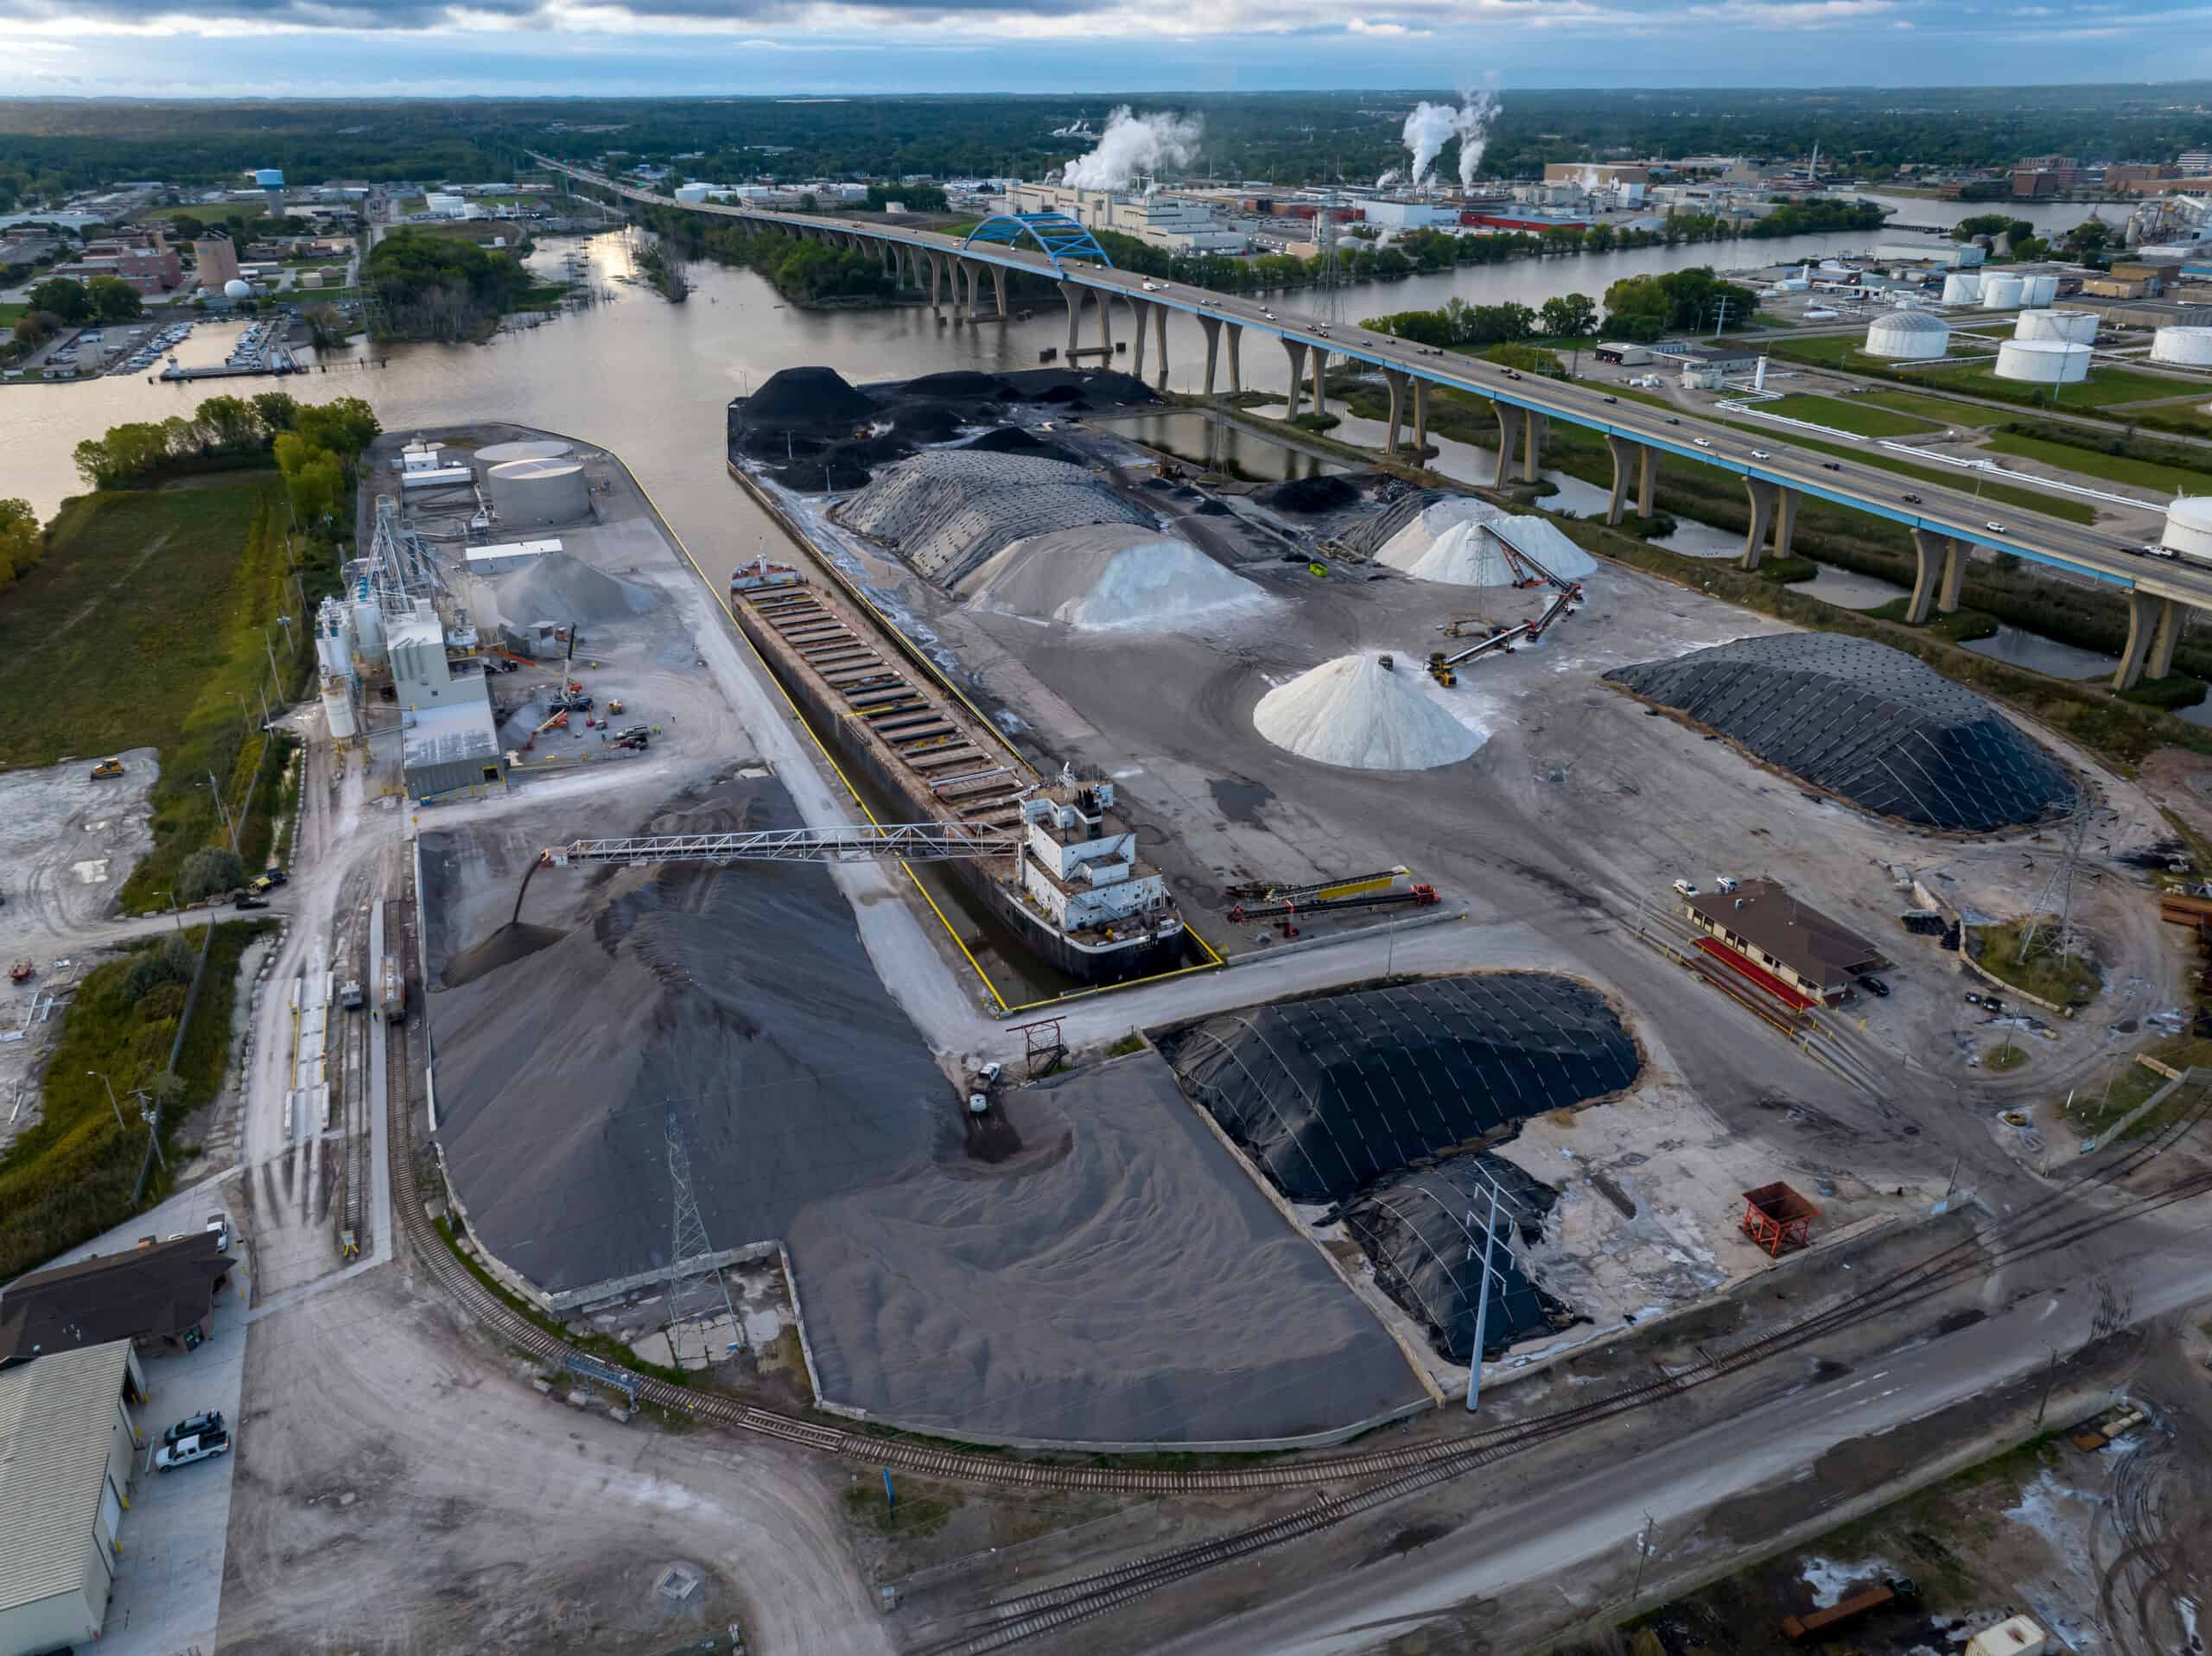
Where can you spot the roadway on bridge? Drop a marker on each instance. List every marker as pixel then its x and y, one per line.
pixel 2103 554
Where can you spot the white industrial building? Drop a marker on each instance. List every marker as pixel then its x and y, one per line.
pixel 1949 256
pixel 1182 224
pixel 1412 215
pixel 1908 336
pixel 68 1445
pixel 2042 361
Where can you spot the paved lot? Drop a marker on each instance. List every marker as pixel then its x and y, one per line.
pixel 169 1585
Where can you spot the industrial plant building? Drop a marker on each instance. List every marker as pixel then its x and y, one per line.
pixel 68 1446
pixel 1179 223
pixel 157 1296
pixel 1768 936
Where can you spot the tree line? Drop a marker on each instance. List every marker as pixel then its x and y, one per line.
pixel 446 287
pixel 1636 309
pixel 316 445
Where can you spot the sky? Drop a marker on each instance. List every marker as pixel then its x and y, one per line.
pixel 288 48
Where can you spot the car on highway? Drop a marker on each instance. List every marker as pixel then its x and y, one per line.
pixel 1702 443
pixel 208 1420
pixel 203 1446
pixel 1909 498
pixel 1513 373
pixel 1672 420
pixel 1761 454
pixel 2155 550
pixel 1995 527
pixel 1612 399
pixel 1830 466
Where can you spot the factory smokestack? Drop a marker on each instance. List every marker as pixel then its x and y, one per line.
pixel 1133 144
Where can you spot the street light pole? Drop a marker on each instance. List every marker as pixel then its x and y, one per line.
pixel 111 1104
pixel 152 1111
pixel 174 909
pixel 1482 1309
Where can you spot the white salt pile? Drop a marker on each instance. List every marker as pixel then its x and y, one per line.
pixel 1462 542
pixel 1103 576
pixel 1355 712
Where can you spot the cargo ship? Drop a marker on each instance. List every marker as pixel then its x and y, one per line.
pixel 1072 887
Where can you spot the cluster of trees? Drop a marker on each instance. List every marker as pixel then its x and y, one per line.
pixel 915 197
pixel 1642 308
pixel 1459 326
pixel 803 271
pixel 226 431
pixel 22 545
pixel 1991 225
pixel 441 287
pixel 1818 217
pixel 62 302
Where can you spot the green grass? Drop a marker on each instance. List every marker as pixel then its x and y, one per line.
pixel 2005 1055
pixel 208 212
pixel 2104 387
pixel 12 313
pixel 1939 410
pixel 1848 414
pixel 142 626
pixel 2067 982
pixel 70 1176
pixel 1960 626
pixel 2095 462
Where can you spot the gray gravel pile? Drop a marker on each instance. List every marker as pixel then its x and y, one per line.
pixel 948 510
pixel 559 588
pixel 1866 722
pixel 1118 1279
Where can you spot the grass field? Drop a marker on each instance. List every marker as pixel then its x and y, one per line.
pixel 1847 414
pixel 2104 387
pixel 2114 468
pixel 208 212
pixel 1939 410
pixel 144 624
pixel 2072 980
pixel 70 1176
pixel 12 313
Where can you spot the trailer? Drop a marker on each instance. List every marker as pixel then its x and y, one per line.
pixel 391 990
pixel 1420 897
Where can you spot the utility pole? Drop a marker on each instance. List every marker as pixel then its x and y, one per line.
pixel 2049 1380
pixel 1482 1309
pixel 1643 1554
pixel 689 1242
pixel 222 810
pixel 111 1104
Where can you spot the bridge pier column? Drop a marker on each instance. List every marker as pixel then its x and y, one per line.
pixel 1647 481
pixel 1396 380
pixel 1532 443
pixel 1625 451
pixel 1073 294
pixel 1160 338
pixel 998 289
pixel 1296 352
pixel 1236 367
pixel 2154 627
pixel 1320 379
pixel 1765 497
pixel 1210 326
pixel 1141 310
pixel 1940 564
pixel 1785 525
pixel 2172 618
pixel 1420 421
pixel 1105 302
pixel 1512 421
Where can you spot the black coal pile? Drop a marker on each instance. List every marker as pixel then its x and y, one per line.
pixel 1867 723
pixel 1012 440
pixel 1327 492
pixel 1330 1094
pixel 958 381
pixel 802 398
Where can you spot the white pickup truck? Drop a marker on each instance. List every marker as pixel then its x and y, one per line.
pixel 203 1446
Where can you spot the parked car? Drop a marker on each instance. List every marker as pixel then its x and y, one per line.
pixel 205 1446
pixel 248 900
pixel 208 1420
pixel 1727 883
pixel 1686 887
pixel 1873 985
pixel 219 1226
pixel 1987 1003
pixel 270 879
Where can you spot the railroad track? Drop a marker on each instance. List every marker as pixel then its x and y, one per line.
pixel 1391 1472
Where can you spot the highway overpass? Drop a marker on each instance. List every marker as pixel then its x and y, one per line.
pixel 1944 521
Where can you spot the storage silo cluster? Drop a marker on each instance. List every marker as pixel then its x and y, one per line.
pixel 1962 287
pixel 2000 291
pixel 2067 327
pixel 2189 528
pixel 2042 361
pixel 2184 347
pixel 2036 291
pixel 539 491
pixel 1909 335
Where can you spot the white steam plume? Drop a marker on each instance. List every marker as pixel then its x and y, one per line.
pixel 1431 126
pixel 1132 145
pixel 1387 179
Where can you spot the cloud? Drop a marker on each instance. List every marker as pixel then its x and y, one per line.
pixel 1362 26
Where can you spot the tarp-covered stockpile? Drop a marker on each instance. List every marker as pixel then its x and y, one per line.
pixel 1424 1234
pixel 1866 722
pixel 948 510
pixel 1330 1094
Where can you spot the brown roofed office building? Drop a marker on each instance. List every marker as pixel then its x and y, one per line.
pixel 68 1446
pixel 158 1295
pixel 1764 927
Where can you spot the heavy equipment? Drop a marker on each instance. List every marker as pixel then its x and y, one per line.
pixel 107 768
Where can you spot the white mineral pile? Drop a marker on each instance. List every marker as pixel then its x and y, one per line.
pixel 1101 577
pixel 1464 542
pixel 1355 712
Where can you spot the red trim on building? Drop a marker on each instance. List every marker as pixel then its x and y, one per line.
pixel 1794 999
pixel 1534 226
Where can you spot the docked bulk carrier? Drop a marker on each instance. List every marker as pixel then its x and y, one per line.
pixel 1073 888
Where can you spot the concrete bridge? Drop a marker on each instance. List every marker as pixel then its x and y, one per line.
pixel 1945 523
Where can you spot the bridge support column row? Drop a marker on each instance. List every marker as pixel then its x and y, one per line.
pixel 1321 380
pixel 1941 562
pixel 1520 427
pixel 1643 460
pixel 1396 379
pixel 1148 312
pixel 1774 513
pixel 1296 352
pixel 2154 627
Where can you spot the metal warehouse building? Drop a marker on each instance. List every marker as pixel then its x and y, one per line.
pixel 67 1444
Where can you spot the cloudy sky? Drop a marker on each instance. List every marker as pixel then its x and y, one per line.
pixel 331 48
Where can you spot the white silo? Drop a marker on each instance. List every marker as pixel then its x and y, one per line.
pixel 2000 291
pixel 368 632
pixel 338 707
pixel 2072 327
pixel 2042 361
pixel 334 637
pixel 2036 291
pixel 1910 335
pixel 2185 347
pixel 537 491
pixel 2189 528
pixel 1962 287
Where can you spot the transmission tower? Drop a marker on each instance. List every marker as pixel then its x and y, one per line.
pixel 700 1292
pixel 1327 232
pixel 2058 892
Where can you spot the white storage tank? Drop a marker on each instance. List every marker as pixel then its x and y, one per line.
pixel 2072 327
pixel 2000 291
pixel 2038 291
pixel 1962 287
pixel 2187 347
pixel 2042 361
pixel 338 707
pixel 1910 335
pixel 539 491
pixel 368 632
pixel 2189 528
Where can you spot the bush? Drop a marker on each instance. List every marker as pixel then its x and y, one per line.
pixel 210 870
